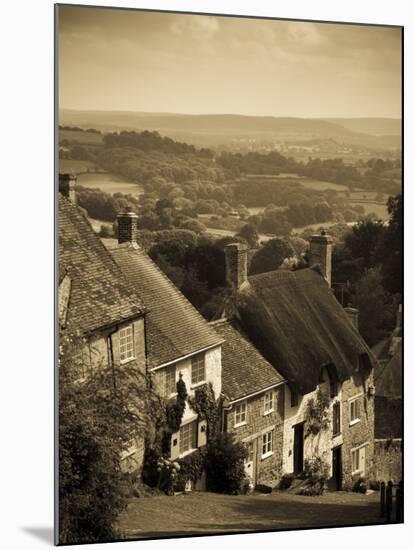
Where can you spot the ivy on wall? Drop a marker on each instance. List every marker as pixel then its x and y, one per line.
pixel 316 414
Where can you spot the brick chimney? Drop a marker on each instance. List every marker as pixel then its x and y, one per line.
pixel 236 264
pixel 127 227
pixel 67 184
pixel 320 253
pixel 353 315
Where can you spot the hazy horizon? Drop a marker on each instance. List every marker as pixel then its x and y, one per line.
pixel 171 63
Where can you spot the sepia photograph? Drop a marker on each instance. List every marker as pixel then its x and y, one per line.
pixel 229 282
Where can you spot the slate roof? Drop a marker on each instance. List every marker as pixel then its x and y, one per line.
pixel 99 295
pixel 174 328
pixel 295 321
pixel 244 370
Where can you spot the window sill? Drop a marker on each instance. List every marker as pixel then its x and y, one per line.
pixel 266 413
pixel 337 434
pixel 125 361
pixel 353 422
pixel 267 455
pixel 198 384
pixel 185 453
pixel 240 424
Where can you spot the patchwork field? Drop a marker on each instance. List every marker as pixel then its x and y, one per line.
pixel 83 138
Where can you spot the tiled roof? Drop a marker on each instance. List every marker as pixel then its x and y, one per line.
pixel 174 328
pixel 296 322
pixel 244 370
pixel 99 295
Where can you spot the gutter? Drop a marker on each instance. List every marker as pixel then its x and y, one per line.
pixel 231 403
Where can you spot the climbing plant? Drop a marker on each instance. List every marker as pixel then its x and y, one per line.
pixel 316 414
pixel 176 407
pixel 205 405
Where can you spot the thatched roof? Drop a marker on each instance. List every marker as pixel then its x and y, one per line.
pixel 295 321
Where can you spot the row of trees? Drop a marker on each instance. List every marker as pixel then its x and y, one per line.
pixel 368 271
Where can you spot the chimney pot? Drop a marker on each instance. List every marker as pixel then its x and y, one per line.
pixel 353 315
pixel 236 264
pixel 127 227
pixel 320 253
pixel 67 184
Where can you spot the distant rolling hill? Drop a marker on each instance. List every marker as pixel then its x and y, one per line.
pixel 375 133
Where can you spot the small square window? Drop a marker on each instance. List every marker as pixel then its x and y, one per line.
pixel 126 344
pixel 240 414
pixel 268 402
pixel 354 416
pixel 198 369
pixel 267 444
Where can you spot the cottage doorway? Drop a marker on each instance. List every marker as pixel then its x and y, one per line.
pixel 249 465
pixel 298 449
pixel 337 467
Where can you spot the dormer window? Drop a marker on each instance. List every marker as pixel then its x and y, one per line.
pixel 126 344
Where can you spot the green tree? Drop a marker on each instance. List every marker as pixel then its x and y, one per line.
pixel 270 256
pixel 98 419
pixel 249 233
pixel 392 247
pixel 375 305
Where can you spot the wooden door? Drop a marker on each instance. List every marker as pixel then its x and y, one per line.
pixel 337 467
pixel 298 448
pixel 249 465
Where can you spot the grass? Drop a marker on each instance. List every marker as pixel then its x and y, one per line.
pixel 208 513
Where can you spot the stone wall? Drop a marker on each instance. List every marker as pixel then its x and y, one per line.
pixel 266 470
pixel 360 434
pixel 388 460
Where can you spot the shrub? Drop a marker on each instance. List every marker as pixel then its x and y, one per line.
pixel 286 481
pixel 316 474
pixel 262 488
pixel 225 464
pixel 316 416
pixel 360 485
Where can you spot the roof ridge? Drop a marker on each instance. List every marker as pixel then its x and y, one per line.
pixel 168 280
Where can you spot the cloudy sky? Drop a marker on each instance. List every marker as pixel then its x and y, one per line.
pixel 140 61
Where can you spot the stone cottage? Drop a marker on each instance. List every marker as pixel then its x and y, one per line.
pixel 389 405
pixel 294 320
pixel 253 405
pixel 97 303
pixel 179 341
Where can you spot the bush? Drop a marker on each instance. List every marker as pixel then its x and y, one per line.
pixel 225 465
pixel 316 476
pixel 360 485
pixel 263 488
pixel 286 481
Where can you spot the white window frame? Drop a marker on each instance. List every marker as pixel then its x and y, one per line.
pixel 267 444
pixel 126 332
pixel 196 359
pixel 356 451
pixel 268 402
pixel 351 401
pixel 192 425
pixel 168 372
pixel 240 414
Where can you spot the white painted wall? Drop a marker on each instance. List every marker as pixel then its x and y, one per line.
pixel 319 445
